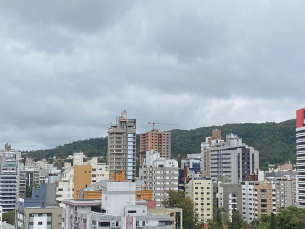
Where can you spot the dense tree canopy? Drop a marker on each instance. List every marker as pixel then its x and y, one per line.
pixel 291 217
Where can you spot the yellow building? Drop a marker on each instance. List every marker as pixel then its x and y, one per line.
pixel 82 178
pixel 140 195
pixel 201 193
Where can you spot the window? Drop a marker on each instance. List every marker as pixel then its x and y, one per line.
pixel 39 223
pixel 165 222
pixel 104 224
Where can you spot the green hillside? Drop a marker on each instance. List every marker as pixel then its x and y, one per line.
pixel 274 141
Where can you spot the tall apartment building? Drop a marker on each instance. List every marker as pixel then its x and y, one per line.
pixel 29 176
pixel 227 195
pixel 300 141
pixel 259 198
pixel 155 140
pixel 200 191
pixel 248 201
pixel 265 200
pixel 205 152
pixel 9 178
pixel 122 146
pixel 232 158
pixel 77 177
pixel 286 187
pixel 160 175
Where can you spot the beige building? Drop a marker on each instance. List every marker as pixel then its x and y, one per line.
pixel 155 140
pixel 286 166
pixel 200 191
pixel 43 217
pixel 265 199
pixel 122 146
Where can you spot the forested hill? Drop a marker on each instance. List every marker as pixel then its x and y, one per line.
pixel 274 141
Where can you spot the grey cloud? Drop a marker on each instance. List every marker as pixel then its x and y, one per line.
pixel 69 68
pixel 79 15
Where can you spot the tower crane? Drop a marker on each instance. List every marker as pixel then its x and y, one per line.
pixel 153 124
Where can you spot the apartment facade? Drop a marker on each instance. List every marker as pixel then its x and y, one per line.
pixel 286 187
pixel 9 174
pixel 300 147
pixel 265 199
pixel 248 201
pixel 122 146
pixel 205 152
pixel 200 191
pixel 29 176
pixel 227 195
pixel 159 174
pixel 232 158
pixel 155 140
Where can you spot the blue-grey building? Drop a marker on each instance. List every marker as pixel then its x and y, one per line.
pixel 44 196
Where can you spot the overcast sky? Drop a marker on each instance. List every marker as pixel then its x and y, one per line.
pixel 68 68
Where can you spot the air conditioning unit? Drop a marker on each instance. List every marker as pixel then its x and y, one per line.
pixel 112 223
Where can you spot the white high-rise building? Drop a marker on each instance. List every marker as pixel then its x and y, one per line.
pixel 9 178
pixel 300 135
pixel 232 158
pixel 159 174
pixel 122 146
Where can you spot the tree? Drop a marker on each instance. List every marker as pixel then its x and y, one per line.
pixel 237 222
pixel 9 217
pixel 177 200
pixel 263 225
pixel 272 221
pixel 285 216
pixel 299 221
pixel 28 192
pixel 218 219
